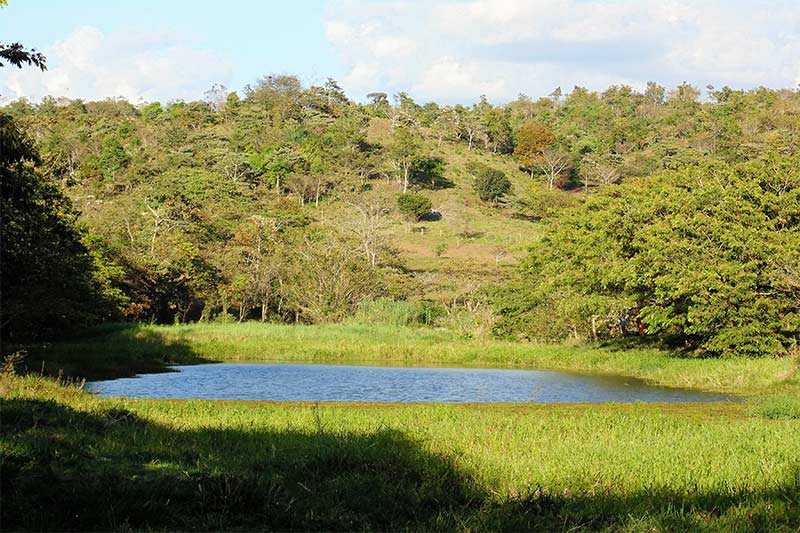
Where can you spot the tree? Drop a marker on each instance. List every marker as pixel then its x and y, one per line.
pixel 489 183
pixel 113 157
pixel 553 165
pixel 598 172
pixel 328 280
pixel 16 55
pixel 370 222
pixel 704 258
pixel 532 141
pixel 404 154
pixel 413 206
pixel 50 281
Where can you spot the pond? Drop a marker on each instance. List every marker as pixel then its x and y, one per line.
pixel 344 383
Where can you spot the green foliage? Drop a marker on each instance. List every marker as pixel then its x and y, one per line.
pixel 706 255
pixel 113 157
pixel 413 205
pixel 51 282
pixel 489 183
pixel 152 111
pixel 157 180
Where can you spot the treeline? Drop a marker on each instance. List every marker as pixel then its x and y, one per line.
pixel 218 209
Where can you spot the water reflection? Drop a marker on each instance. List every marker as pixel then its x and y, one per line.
pixel 311 382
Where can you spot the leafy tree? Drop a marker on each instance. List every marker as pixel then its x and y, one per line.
pixel 413 206
pixel 489 183
pixel 51 283
pixel 113 157
pixel 704 256
pixel 532 141
pixel 17 55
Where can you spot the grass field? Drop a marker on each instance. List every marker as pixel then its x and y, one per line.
pixel 74 462
pixel 71 461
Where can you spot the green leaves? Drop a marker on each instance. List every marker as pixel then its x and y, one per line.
pixel 703 253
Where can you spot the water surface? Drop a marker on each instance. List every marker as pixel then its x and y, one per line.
pixel 345 383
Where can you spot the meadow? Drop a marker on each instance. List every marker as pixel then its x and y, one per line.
pixel 76 462
pixel 73 461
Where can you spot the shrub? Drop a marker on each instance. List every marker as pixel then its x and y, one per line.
pixel 489 183
pixel 413 206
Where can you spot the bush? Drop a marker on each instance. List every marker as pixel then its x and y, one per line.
pixel 414 206
pixel 397 313
pixel 489 183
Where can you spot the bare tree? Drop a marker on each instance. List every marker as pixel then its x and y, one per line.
pixel 598 173
pixel 371 221
pixel 163 223
pixel 554 164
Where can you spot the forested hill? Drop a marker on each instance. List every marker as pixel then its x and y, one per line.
pixel 649 212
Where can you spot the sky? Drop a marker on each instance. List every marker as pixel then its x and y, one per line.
pixel 449 51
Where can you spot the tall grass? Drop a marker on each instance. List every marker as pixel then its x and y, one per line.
pixel 389 312
pixel 779 407
pixel 126 349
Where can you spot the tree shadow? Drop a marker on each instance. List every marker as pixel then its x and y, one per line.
pixel 109 351
pixel 110 469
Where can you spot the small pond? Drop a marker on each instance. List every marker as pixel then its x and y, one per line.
pixel 341 383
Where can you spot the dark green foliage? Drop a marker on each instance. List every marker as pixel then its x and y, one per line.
pixel 489 183
pixel 706 256
pixel 16 55
pixel 413 205
pixel 51 283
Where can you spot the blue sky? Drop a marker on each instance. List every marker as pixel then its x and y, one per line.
pixel 448 50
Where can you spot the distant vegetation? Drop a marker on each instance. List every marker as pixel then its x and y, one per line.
pixel 651 213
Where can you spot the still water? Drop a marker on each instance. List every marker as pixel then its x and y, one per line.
pixel 340 383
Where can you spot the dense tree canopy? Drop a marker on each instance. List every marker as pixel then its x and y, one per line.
pixel 706 256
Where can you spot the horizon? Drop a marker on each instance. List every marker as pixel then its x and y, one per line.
pixel 447 52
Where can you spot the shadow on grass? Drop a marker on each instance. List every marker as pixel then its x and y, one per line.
pixel 69 470
pixel 109 351
pixel 64 469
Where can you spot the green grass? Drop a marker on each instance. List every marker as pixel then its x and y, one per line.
pixel 118 350
pixel 779 407
pixel 74 462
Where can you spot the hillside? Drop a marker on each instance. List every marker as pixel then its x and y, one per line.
pixel 296 204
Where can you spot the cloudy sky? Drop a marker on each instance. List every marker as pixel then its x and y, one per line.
pixel 448 51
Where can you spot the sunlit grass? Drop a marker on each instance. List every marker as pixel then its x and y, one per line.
pixel 117 350
pixel 87 463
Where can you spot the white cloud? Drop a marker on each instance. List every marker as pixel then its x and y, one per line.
pixel 455 50
pixel 138 66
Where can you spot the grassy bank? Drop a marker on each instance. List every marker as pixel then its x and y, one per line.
pixel 119 350
pixel 71 461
